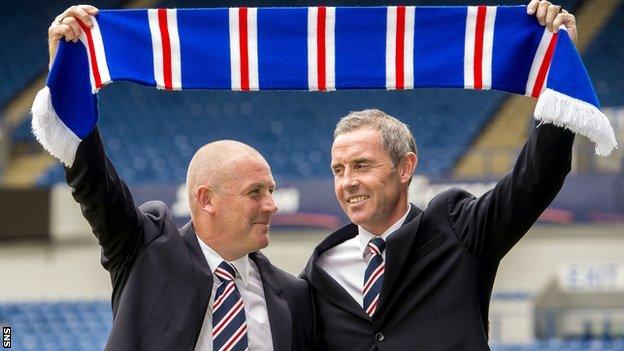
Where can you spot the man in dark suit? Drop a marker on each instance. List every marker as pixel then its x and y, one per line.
pixel 204 286
pixel 400 278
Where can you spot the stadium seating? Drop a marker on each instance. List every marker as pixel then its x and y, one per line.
pixel 69 326
pixel 565 345
pixel 603 59
pixel 151 135
pixel 85 325
pixel 24 52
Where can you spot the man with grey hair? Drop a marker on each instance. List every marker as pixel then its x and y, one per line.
pixel 205 286
pixel 402 278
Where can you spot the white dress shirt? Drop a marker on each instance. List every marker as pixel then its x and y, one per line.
pixel 249 285
pixel 347 261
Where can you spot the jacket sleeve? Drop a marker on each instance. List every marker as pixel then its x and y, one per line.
pixel 490 225
pixel 106 203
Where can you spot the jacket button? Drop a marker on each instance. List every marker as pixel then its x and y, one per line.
pixel 380 336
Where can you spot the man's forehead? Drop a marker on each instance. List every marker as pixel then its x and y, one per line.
pixel 357 145
pixel 252 181
pixel 247 167
pixel 350 154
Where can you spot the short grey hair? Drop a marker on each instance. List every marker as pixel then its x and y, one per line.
pixel 396 136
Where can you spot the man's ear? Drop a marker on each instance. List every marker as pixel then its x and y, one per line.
pixel 407 166
pixel 205 199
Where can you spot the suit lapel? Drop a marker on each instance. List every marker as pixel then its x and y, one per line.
pixel 398 249
pixel 279 312
pixel 202 276
pixel 324 283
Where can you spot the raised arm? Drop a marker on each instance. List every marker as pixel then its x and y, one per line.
pixel 106 203
pixel 105 200
pixel 490 225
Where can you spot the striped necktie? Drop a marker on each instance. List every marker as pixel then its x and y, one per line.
pixel 373 277
pixel 229 327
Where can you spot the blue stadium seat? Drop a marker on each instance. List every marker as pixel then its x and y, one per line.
pixel 603 59
pixel 85 325
pixel 70 326
pixel 25 54
pixel 151 135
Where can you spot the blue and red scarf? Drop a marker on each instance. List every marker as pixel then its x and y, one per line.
pixel 318 49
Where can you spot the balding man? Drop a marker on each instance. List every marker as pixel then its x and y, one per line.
pixel 204 286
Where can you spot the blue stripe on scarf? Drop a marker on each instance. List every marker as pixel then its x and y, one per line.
pixel 70 73
pixel 129 55
pixel 513 34
pixel 439 46
pixel 577 85
pixel 283 48
pixel 360 42
pixel 205 48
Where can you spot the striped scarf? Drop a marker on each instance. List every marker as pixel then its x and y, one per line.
pixel 318 49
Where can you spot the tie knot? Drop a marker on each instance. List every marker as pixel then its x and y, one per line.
pixel 376 246
pixel 225 272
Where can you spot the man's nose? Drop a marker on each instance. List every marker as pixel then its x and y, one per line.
pixel 269 205
pixel 350 180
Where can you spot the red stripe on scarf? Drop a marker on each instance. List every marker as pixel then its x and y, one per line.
pixel 91 48
pixel 478 51
pixel 400 48
pixel 244 50
pixel 166 47
pixel 320 47
pixel 543 71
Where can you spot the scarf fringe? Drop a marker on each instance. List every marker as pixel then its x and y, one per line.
pixel 50 131
pixel 579 117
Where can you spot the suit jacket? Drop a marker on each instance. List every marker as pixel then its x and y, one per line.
pixel 441 264
pixel 161 279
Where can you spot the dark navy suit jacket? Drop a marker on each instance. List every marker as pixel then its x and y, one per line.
pixel 441 264
pixel 161 280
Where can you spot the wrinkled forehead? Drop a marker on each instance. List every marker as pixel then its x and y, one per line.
pixel 357 144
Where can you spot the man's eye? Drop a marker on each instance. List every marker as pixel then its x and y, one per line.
pixel 362 166
pixel 254 192
pixel 337 171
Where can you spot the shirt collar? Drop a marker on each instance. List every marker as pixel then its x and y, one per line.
pixel 365 236
pixel 214 260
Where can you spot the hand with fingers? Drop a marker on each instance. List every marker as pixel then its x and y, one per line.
pixel 65 26
pixel 553 16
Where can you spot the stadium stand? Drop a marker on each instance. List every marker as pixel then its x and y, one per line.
pixel 25 59
pixel 84 325
pixel 47 326
pixel 151 135
pixel 603 59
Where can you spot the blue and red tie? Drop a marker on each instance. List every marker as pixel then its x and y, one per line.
pixel 229 327
pixel 373 277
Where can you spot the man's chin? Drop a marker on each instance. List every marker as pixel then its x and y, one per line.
pixel 263 243
pixel 358 218
pixel 357 215
pixel 262 239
